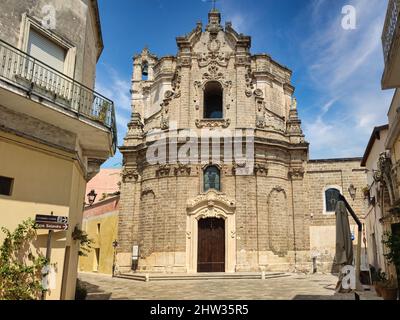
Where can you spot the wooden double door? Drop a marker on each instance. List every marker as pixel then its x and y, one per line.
pixel 211 245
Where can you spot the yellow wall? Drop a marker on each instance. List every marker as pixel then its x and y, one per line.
pixel 103 241
pixel 45 180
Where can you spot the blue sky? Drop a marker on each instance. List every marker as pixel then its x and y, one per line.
pixel 336 72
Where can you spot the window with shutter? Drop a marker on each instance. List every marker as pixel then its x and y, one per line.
pixel 46 51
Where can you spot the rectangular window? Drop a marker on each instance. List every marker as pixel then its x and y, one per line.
pixel 6 185
pixel 46 51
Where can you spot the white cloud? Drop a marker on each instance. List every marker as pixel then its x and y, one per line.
pixel 345 67
pixel 242 20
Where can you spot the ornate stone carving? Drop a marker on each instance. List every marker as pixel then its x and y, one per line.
pixel 274 122
pixel 164 122
pixel 217 58
pixel 249 82
pixel 182 169
pixel 176 84
pixel 238 165
pixel 242 61
pixel 278 189
pixel 258 93
pixel 228 86
pixel 260 169
pixel 212 123
pixel 197 85
pixel 296 173
pixel 213 73
pixel 210 201
pixel 163 170
pixel 214 23
pixel 260 121
pixel 168 94
pixel 129 175
pixel 147 191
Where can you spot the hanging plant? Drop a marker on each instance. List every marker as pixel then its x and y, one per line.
pixel 366 192
pixel 84 241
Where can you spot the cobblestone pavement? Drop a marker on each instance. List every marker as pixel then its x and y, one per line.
pixel 292 287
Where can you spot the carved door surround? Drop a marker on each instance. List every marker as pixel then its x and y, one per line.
pixel 211 204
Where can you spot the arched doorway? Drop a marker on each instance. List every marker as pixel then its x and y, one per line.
pixel 211 245
pixel 211 205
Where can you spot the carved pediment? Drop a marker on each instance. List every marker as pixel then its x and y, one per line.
pixel 211 201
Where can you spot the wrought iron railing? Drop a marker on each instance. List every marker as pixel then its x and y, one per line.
pixel 389 30
pixel 36 77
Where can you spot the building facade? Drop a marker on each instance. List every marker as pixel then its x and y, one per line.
pixel 389 163
pixel 186 209
pixel 376 196
pixel 55 130
pixel 100 222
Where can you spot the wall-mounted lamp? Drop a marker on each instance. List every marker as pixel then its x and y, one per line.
pixel 91 197
pixel 352 191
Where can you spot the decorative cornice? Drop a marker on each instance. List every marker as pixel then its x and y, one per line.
pixel 212 123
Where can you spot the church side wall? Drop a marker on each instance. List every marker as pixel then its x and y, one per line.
pixel 320 175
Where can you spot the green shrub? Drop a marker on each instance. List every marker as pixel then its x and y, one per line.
pixel 20 268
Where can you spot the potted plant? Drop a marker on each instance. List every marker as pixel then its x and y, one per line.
pixel 389 289
pixel 392 243
pixel 378 279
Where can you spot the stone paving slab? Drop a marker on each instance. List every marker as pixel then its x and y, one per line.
pixel 293 287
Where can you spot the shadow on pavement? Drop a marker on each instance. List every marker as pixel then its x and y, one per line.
pixel 94 292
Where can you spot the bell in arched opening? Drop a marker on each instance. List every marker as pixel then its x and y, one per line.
pixel 145 69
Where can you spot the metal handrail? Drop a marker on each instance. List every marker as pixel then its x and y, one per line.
pixel 35 76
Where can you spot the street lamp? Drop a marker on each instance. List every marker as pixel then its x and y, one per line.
pixel 352 191
pixel 115 245
pixel 91 197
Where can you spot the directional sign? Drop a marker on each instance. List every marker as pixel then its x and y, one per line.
pixel 51 226
pixel 49 218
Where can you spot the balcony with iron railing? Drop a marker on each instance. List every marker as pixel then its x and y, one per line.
pixel 391 46
pixel 35 77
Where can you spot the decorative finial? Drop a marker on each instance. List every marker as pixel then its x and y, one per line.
pixel 294 103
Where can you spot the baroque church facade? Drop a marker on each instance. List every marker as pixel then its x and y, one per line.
pixel 207 215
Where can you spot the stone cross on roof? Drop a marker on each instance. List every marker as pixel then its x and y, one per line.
pixel 214 2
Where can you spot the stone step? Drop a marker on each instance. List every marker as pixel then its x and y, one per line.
pixel 199 276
